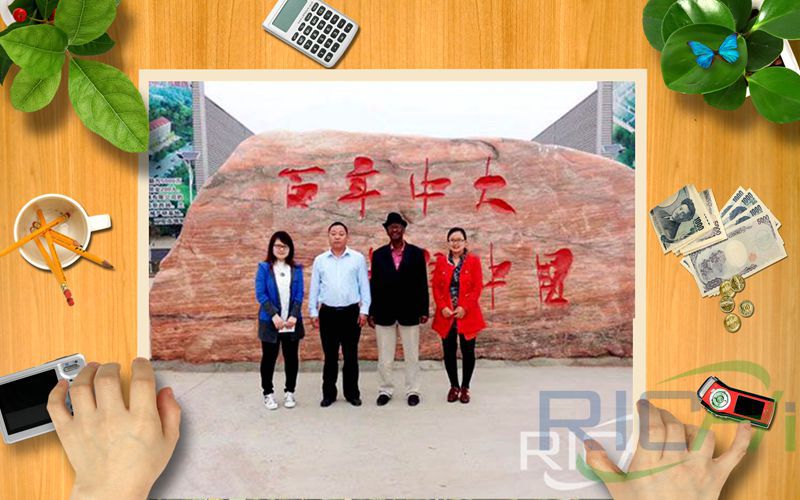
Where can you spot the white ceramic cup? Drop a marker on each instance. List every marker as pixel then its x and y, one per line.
pixel 79 226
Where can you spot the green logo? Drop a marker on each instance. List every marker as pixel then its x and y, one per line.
pixel 720 399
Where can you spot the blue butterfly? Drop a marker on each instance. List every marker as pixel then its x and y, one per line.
pixel 729 50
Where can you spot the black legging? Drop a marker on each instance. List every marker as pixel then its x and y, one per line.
pixel 450 347
pixel 290 363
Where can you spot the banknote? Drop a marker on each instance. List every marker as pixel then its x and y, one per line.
pixel 733 201
pixel 717 232
pixel 681 219
pixel 750 247
pixel 748 200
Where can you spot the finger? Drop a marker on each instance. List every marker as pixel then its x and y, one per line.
pixel 597 458
pixel 700 441
pixel 57 406
pixel 728 460
pixel 143 386
pixel 107 388
pixel 675 437
pixel 81 393
pixel 651 436
pixel 170 413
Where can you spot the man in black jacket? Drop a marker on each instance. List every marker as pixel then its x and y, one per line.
pixel 400 302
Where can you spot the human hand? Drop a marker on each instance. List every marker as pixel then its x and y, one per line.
pixel 679 456
pixel 278 321
pixel 116 452
pixel 447 312
pixel 290 322
pixel 315 322
pixel 423 320
pixel 362 320
pixel 371 321
pixel 459 312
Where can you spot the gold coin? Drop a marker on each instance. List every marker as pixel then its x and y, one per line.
pixel 727 304
pixel 747 308
pixel 726 288
pixel 737 282
pixel 732 323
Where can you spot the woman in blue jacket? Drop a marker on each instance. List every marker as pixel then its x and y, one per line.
pixel 279 291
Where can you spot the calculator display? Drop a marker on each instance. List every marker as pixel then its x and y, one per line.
pixel 288 14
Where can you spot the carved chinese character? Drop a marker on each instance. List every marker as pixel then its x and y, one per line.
pixel 431 188
pixel 551 273
pixel 492 183
pixel 357 180
pixel 300 194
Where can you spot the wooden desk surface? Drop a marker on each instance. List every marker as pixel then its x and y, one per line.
pixel 689 142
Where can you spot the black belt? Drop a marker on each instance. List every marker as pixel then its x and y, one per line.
pixel 343 308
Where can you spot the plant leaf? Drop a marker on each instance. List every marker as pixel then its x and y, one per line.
pixel 46 7
pixel 741 10
pixel 652 18
pixel 31 93
pixel 729 98
pixel 108 104
pixel 85 20
pixel 98 46
pixel 687 12
pixel 39 49
pixel 776 94
pixel 780 18
pixel 762 50
pixel 5 61
pixel 679 65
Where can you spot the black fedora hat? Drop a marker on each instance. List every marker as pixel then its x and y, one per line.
pixel 394 218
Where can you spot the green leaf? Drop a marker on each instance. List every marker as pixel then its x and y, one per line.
pixel 762 50
pixel 96 47
pixel 85 20
pixel 39 49
pixel 687 12
pixel 5 61
pixel 729 98
pixel 108 104
pixel 31 93
pixel 679 65
pixel 776 94
pixel 46 7
pixel 652 18
pixel 741 10
pixel 780 18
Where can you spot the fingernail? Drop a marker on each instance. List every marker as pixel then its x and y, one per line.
pixel 93 364
pixel 642 404
pixel 591 444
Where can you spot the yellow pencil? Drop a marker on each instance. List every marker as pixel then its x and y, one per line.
pixel 57 269
pixel 34 234
pixel 69 244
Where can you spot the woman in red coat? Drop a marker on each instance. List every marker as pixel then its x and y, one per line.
pixel 457 283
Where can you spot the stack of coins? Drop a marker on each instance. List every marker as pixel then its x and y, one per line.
pixel 728 290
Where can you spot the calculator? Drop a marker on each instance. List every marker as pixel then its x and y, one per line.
pixel 314 28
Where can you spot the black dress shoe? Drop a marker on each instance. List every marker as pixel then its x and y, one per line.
pixel 413 400
pixel 325 402
pixel 355 401
pixel 383 399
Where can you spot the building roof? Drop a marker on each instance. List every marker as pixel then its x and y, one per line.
pixel 159 122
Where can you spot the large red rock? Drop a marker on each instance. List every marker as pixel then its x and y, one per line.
pixel 539 200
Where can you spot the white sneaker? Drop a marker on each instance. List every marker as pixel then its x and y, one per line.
pixel 288 400
pixel 269 402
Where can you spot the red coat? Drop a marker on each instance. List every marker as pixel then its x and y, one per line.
pixel 469 294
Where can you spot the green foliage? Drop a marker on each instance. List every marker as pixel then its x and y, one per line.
pixel 679 65
pixel 103 97
pixel 627 140
pixel 32 93
pixel 670 25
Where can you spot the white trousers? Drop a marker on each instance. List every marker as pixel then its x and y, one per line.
pixel 387 341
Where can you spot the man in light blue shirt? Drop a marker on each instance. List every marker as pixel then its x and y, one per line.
pixel 338 303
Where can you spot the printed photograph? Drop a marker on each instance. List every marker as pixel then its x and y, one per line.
pixel 393 287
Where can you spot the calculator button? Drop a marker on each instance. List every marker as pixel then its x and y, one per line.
pixel 342 37
pixel 328 43
pixel 314 49
pixel 307 45
pixel 320 10
pixel 308 16
pixel 313 21
pixel 322 53
pixel 314 7
pixel 335 33
pixel 321 25
pixel 328 57
pixel 301 40
pixel 335 18
pixel 328 29
pixel 348 27
pixel 341 23
pixel 301 27
pixel 307 30
pixel 294 37
pixel 335 47
pixel 328 15
pixel 314 34
pixel 322 38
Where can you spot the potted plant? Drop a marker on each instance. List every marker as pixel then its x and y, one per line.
pixel 729 49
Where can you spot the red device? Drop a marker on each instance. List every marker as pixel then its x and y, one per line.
pixel 727 402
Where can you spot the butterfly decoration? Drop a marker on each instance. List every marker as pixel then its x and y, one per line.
pixel 728 50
